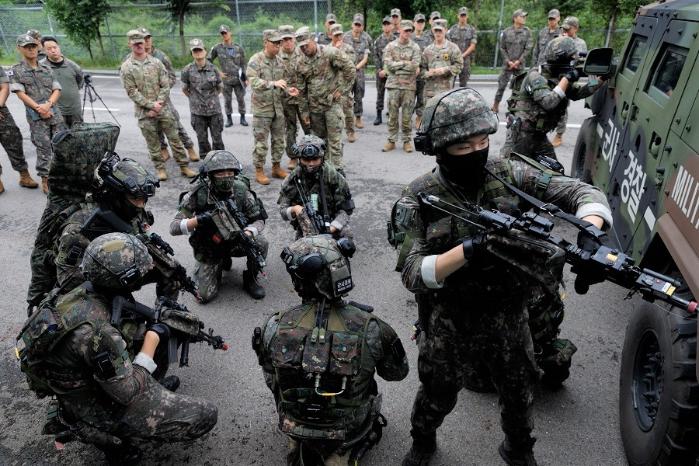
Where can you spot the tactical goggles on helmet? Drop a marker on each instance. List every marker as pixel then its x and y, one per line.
pixel 308 151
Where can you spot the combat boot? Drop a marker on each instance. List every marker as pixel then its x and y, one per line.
pixel 351 137
pixel 388 147
pixel 26 181
pixel 407 147
pixel 187 172
pixel 2 187
pixel 229 121
pixel 161 173
pixel 421 451
pixel 496 106
pixel 378 120
pixel 45 184
pixel 358 123
pixel 521 456
pixel 557 140
pixel 164 154
pixel 418 120
pixel 243 121
pixel 252 285
pixel 171 383
pixel 292 164
pixel 278 171
pixel 260 176
pixel 193 156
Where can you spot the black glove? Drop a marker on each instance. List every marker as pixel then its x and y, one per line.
pixel 162 330
pixel 589 243
pixel 572 75
pixel 204 220
pixel 586 276
pixel 474 245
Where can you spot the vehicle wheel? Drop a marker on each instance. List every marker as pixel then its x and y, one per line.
pixel 658 389
pixel 580 169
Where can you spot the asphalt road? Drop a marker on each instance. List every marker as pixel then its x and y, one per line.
pixel 575 425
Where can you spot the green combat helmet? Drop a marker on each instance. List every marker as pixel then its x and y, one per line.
pixel 309 147
pixel 116 261
pixel 221 160
pixel 451 117
pixel 560 50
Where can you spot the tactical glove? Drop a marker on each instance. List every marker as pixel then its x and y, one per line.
pixel 474 245
pixel 204 220
pixel 587 276
pixel 572 75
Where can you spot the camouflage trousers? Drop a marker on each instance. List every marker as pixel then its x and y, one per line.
pixel 528 143
pixel 11 140
pixel 420 97
pixel 335 458
pixel 71 120
pixel 264 129
pixel 228 88
pixel 503 80
pixel 166 123
pixel 292 115
pixel 561 127
pixel 347 110
pixel 184 137
pixel 42 131
pixel 400 100
pixel 465 74
pixel 380 93
pixel 358 91
pixel 208 269
pixel 328 126
pixel 203 125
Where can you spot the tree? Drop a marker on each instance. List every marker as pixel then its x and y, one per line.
pixel 178 10
pixel 81 19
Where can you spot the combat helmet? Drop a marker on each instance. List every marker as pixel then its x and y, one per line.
pixel 124 176
pixel 309 147
pixel 319 266
pixel 116 261
pixel 221 160
pixel 560 50
pixel 451 117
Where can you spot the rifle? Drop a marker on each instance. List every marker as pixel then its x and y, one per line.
pixel 104 221
pixel 319 225
pixel 606 262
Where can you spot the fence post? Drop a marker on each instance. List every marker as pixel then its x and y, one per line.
pixel 48 17
pixel 315 15
pixel 497 37
pixel 237 17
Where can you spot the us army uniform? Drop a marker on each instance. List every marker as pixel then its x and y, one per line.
pixel 347 99
pixel 362 48
pixel 447 60
pixel 10 136
pixel 290 104
pixel 423 40
pixel 515 44
pixel 379 46
pixel 70 76
pixel 463 37
pixel 231 59
pixel 203 86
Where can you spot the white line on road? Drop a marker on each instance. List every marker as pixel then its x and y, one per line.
pixel 569 125
pixel 99 109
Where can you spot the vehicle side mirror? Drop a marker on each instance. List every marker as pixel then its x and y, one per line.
pixel 599 62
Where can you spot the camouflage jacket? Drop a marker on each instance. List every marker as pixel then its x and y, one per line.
pixel 290 61
pixel 146 82
pixel 323 39
pixel 580 44
pixel 545 36
pixel 202 86
pixel 348 50
pixel 463 37
pixel 362 345
pixel 338 205
pixel 516 44
pixel 160 55
pixel 231 60
pixel 361 45
pixel 448 57
pixel 401 63
pixel 38 83
pixel 319 76
pixel 423 40
pixel 262 72
pixel 379 46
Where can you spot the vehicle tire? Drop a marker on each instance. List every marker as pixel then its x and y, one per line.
pixel 658 389
pixel 580 168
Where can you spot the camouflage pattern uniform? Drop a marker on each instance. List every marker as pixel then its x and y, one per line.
pixel 38 83
pixel 147 82
pixel 401 63
pixel 515 44
pixel 70 76
pixel 422 41
pixel 10 136
pixel 463 37
pixel 545 36
pixel 323 39
pixel 379 46
pixel 231 60
pixel 203 85
pixel 362 48
pixel 581 47
pixel 436 56
pixel 292 109
pixel 348 99
pixel 267 110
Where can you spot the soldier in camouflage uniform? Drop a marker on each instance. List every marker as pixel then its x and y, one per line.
pixel 266 73
pixel 105 392
pixel 344 419
pixel 231 60
pixel 515 46
pixel 11 138
pixel 361 43
pixel 220 180
pixel 433 16
pixel 325 189
pixel 474 322
pixel 464 36
pixel 348 99
pixel 201 83
pixel 441 62
pixel 325 38
pixel 146 82
pixel 291 56
pixel 379 46
pixel 396 18
pixel 325 74
pixel 401 61
pixel 545 36
pixel 37 88
pixel 422 39
pixel 540 99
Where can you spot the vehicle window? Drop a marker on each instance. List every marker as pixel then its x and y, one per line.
pixel 636 53
pixel 667 72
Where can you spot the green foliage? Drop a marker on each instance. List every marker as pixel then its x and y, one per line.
pixel 81 19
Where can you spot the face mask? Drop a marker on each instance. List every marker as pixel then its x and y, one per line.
pixel 313 172
pixel 223 184
pixel 466 170
pixel 126 210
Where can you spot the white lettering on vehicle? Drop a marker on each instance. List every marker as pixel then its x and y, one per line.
pixel 685 193
pixel 610 143
pixel 633 186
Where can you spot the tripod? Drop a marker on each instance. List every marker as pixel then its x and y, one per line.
pixel 90 93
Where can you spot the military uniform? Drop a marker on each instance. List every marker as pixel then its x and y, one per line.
pixel 545 36
pixel 323 39
pixel 70 76
pixel 463 37
pixel 515 44
pixel 348 99
pixel 232 63
pixel 10 136
pixel 290 104
pixel 422 41
pixel 203 86
pixel 436 56
pixel 401 63
pixel 379 46
pixel 362 48
pixel 581 47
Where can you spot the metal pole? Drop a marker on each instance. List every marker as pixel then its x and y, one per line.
pixel 315 16
pixel 48 17
pixel 497 38
pixel 237 18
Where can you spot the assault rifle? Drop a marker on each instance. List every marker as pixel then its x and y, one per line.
pixel 605 262
pixel 104 221
pixel 319 224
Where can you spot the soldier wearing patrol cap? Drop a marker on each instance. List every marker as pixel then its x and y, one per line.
pixel 37 37
pixel 546 34
pixel 231 60
pixel 430 20
pixel 362 44
pixel 515 46
pixel 422 39
pixel 464 36
pixel 396 19
pixel 441 63
pixel 379 46
pixel 325 38
pixel 337 33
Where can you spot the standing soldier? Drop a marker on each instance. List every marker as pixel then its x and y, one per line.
pixel 422 39
pixel 395 21
pixel 70 76
pixel 401 61
pixel 266 74
pixel 551 31
pixel 379 46
pixel 201 83
pixel 361 43
pixel 231 60
pixel 325 38
pixel 39 90
pixel 36 35
pixel 441 62
pixel 325 74
pixel 146 82
pixel 464 36
pixel 433 16
pixel 291 55
pixel 515 45
pixel 347 100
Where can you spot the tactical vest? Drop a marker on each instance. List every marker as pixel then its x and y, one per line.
pixel 521 104
pixel 323 377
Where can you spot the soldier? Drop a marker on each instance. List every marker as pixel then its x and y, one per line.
pixel 347 100
pixel 266 73
pixel 361 43
pixel 70 76
pixel 146 82
pixel 433 16
pixel 325 38
pixel 331 411
pixel 515 46
pixel 105 394
pixel 214 240
pixel 36 35
pixel 320 184
pixel 379 46
pixel 201 83
pixel 231 60
pixel 422 39
pixel 441 62
pixel 540 99
pixel 325 74
pixel 11 138
pixel 474 322
pixel 464 36
pixel 551 31
pixel 395 22
pixel 401 61
pixel 35 85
